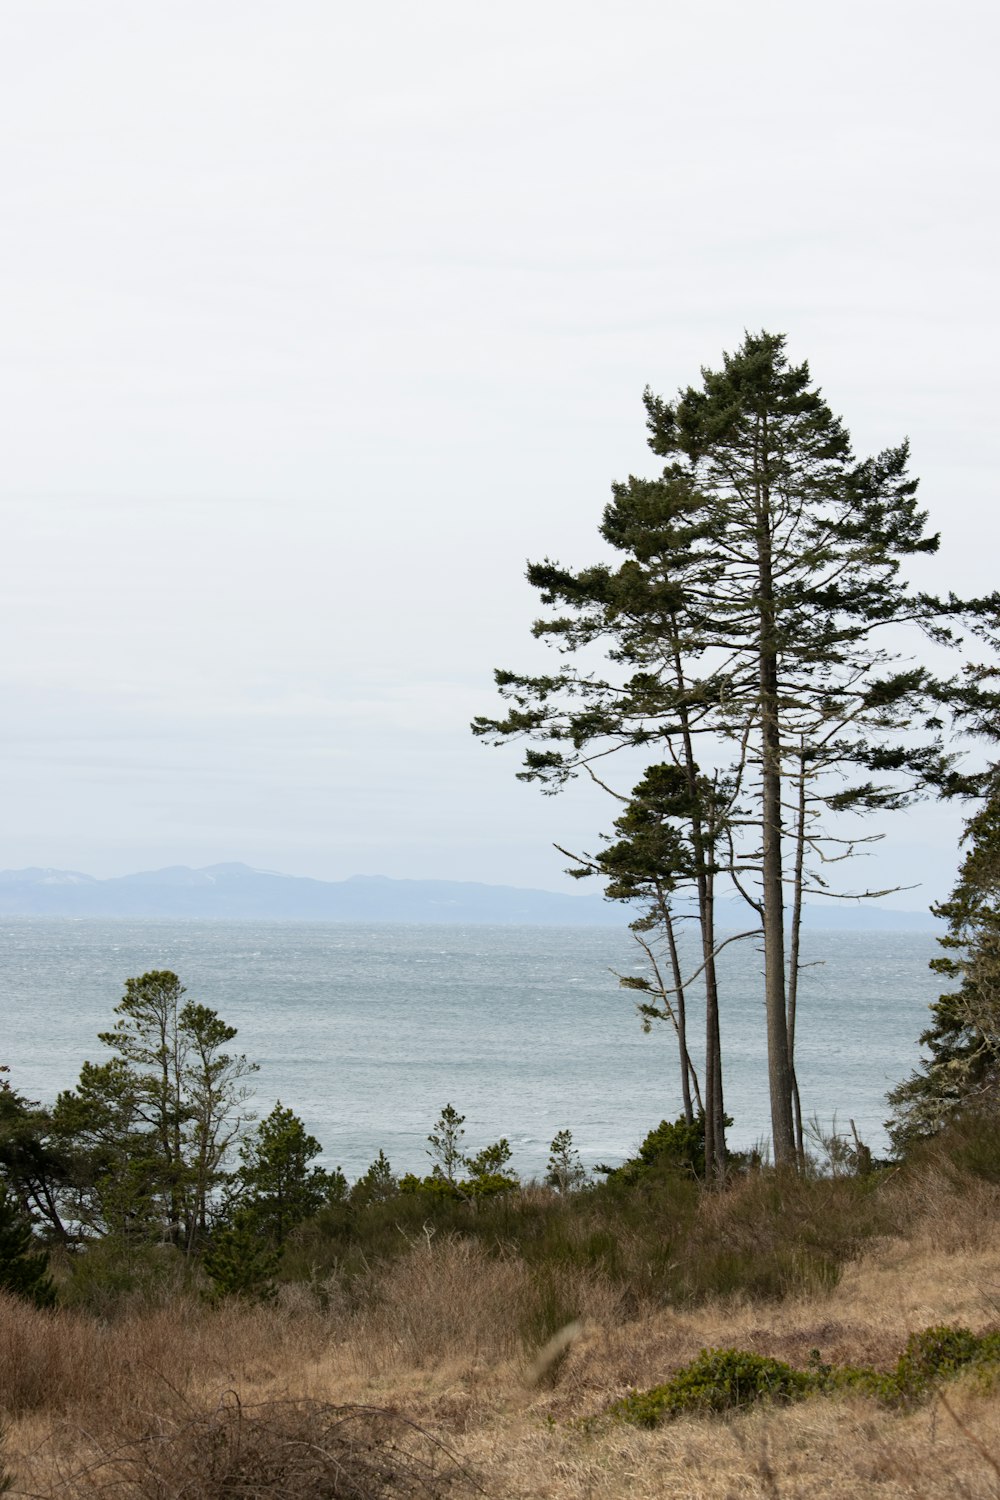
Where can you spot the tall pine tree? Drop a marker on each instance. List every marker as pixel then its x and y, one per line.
pixel 741 636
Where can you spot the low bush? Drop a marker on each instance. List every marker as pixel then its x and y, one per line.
pixel 720 1380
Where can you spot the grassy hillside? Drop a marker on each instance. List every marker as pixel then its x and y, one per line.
pixel 426 1365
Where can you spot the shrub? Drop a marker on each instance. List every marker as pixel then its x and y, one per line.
pixel 241 1264
pixel 718 1380
pixel 722 1379
pixel 677 1146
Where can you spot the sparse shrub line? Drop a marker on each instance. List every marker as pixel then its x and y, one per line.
pixel 721 1380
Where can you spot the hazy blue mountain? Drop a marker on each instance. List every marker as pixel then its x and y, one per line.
pixel 237 891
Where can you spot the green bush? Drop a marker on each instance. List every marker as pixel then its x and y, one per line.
pixel 240 1263
pixel 721 1380
pixel 674 1146
pixel 718 1380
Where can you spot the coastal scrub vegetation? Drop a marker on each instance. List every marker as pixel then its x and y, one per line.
pixel 541 1343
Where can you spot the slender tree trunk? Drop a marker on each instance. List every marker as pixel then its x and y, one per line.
pixel 793 955
pixel 778 1067
pixel 674 1003
pixel 688 1074
pixel 715 1114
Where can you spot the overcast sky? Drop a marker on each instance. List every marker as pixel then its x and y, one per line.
pixel 319 320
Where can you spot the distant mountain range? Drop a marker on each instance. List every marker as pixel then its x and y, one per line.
pixel 236 891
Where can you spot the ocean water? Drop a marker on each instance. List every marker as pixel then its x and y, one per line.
pixel 367 1031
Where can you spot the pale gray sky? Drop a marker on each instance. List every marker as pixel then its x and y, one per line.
pixel 319 320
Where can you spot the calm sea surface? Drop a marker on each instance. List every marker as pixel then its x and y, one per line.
pixel 366 1031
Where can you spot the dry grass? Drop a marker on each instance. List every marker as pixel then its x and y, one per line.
pixel 288 1450
pixel 185 1400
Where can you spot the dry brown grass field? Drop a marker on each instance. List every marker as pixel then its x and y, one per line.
pixel 424 1383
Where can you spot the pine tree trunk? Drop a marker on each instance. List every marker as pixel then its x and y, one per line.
pixel 687 1068
pixel 778 1062
pixel 794 949
pixel 715 1114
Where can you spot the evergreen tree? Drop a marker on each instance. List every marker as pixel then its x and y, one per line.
pixel 23 1269
pixel 278 1186
pixel 114 1182
pixel 651 857
pixel 31 1160
pixel 378 1185
pixel 240 1264
pixel 489 1172
pixel 149 1132
pixel 445 1145
pixel 962 1071
pixel 741 636
pixel 565 1170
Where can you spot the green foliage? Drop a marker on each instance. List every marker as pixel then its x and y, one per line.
pixel 491 1161
pixel 718 1380
pixel 961 1075
pixel 566 1171
pixel 967 1146
pixel 277 1186
pixel 722 1379
pixel 487 1175
pixel 378 1185
pixel 930 1356
pixel 32 1163
pixel 23 1269
pixel 109 1272
pixel 939 1352
pixel 115 1177
pixel 148 1134
pixel 445 1144
pixel 240 1264
pixel 434 1189
pixel 665 1239
pixel 677 1146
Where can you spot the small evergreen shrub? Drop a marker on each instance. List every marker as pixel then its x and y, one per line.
pixel 718 1380
pixel 378 1185
pixel 936 1354
pixel 240 1263
pixel 674 1146
pixel 722 1380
